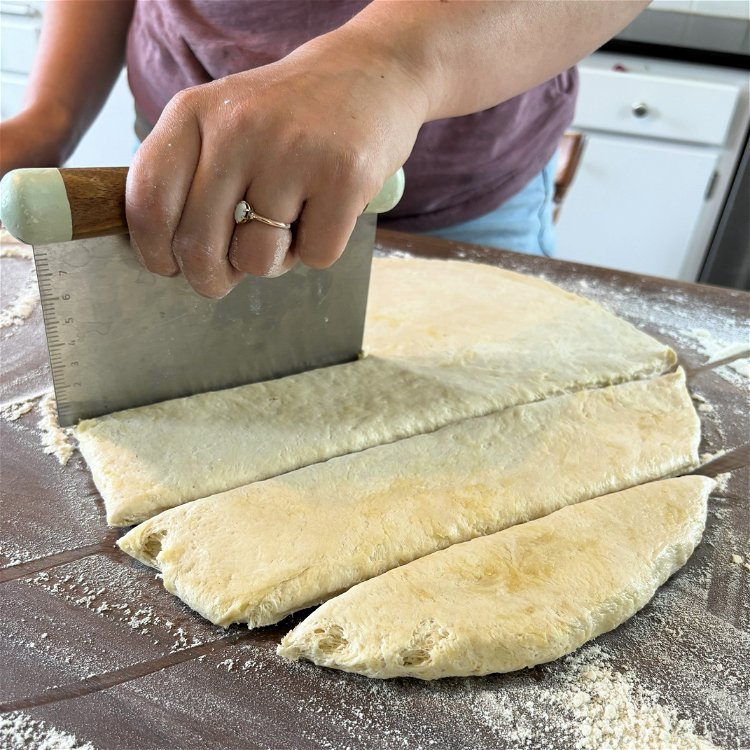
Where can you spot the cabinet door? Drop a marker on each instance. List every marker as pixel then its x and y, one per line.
pixel 634 205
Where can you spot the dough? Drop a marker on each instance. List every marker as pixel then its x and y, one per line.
pixel 521 597
pixel 259 552
pixel 449 341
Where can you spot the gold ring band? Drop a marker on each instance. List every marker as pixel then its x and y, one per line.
pixel 243 213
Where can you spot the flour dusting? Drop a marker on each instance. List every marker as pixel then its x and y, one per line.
pixel 56 441
pixel 10 247
pixel 16 409
pixel 610 710
pixel 717 350
pixel 18 731
pixel 23 252
pixel 20 309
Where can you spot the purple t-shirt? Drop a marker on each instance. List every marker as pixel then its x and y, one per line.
pixel 460 168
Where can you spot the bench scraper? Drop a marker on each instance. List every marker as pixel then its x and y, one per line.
pixel 119 336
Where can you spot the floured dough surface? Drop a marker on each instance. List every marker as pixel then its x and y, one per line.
pixel 521 597
pixel 259 552
pixel 447 341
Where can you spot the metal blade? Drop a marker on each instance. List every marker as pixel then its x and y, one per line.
pixel 119 336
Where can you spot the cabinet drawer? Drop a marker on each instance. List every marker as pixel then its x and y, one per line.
pixel 655 106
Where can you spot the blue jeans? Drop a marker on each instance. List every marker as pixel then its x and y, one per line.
pixel 523 223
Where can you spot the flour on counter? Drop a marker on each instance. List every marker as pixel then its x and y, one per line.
pixel 56 441
pixel 584 701
pixel 20 309
pixel 14 410
pixel 740 560
pixel 23 252
pixel 722 482
pixel 18 731
pixel 10 247
pixel 707 457
pixel 717 350
pixel 611 711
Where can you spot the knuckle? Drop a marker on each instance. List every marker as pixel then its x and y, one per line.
pixel 352 167
pixel 182 101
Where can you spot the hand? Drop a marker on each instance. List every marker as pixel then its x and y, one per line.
pixel 309 140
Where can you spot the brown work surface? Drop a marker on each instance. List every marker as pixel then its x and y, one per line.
pixel 92 644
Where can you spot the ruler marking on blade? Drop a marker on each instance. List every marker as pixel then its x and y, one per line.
pixel 51 298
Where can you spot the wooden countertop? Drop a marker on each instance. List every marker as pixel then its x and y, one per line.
pixel 93 646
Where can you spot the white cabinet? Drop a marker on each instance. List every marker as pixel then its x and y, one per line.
pixel 19 35
pixel 739 9
pixel 20 24
pixel 635 204
pixel 663 139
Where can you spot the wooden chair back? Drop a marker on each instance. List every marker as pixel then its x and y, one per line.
pixel 569 157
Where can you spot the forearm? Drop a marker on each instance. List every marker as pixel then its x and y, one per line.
pixel 81 53
pixel 468 55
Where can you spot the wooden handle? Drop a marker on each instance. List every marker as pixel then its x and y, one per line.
pixel 97 200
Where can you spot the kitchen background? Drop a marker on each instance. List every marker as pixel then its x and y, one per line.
pixel 663 184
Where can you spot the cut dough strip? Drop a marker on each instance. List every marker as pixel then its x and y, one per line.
pixel 260 552
pixel 452 341
pixel 524 596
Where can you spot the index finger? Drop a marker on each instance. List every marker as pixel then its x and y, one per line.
pixel 158 183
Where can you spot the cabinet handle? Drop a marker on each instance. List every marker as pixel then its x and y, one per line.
pixel 639 109
pixel 23 10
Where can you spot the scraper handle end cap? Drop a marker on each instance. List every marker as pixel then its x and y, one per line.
pixel 45 206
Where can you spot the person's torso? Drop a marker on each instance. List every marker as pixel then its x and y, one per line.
pixel 459 168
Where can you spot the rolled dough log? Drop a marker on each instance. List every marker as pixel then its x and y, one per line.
pixel 448 340
pixel 260 552
pixel 521 597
